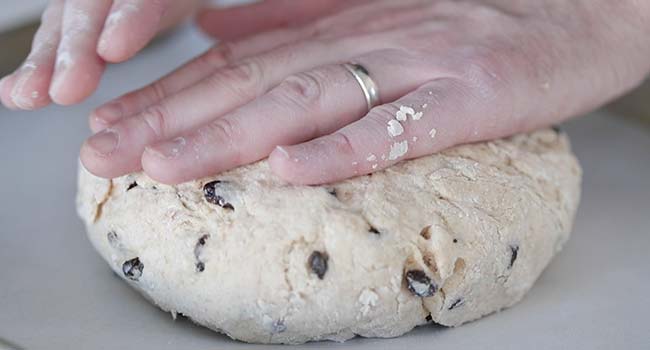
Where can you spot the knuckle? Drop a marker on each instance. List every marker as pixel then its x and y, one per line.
pixel 342 143
pixel 218 56
pixel 155 119
pixel 156 91
pixel 484 70
pixel 383 113
pixel 244 79
pixel 304 90
pixel 248 71
pixel 226 132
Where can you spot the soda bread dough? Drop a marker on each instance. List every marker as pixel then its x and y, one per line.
pixel 446 238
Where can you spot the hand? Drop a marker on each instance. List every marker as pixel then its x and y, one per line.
pixel 469 70
pixel 75 41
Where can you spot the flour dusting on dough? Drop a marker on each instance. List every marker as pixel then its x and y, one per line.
pixel 367 299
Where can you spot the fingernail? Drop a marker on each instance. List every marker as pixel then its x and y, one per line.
pixel 64 61
pixel 108 113
pixel 105 142
pixel 282 151
pixel 170 149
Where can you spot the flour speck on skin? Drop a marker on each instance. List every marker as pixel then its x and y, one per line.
pixel 63 60
pixel 424 106
pixel 398 149
pixel 407 110
pixel 374 166
pixel 415 138
pixel 17 93
pixel 78 25
pixel 179 144
pixel 433 133
pixel 371 158
pixel 400 115
pixel 394 128
pixel 116 17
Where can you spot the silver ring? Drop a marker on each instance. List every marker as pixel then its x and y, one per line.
pixel 368 86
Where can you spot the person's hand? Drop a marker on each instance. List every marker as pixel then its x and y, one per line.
pixel 75 41
pixel 459 71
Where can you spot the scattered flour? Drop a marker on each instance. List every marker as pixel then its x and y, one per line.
pixel 401 116
pixel 367 299
pixel 398 149
pixel 433 133
pixel 394 128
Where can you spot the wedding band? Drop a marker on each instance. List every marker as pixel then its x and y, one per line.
pixel 368 86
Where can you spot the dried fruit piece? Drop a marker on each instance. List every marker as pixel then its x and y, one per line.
pixel 419 283
pixel 426 233
pixel 132 186
pixel 210 192
pixel 456 304
pixel 112 238
pixel 279 326
pixel 198 248
pixel 318 263
pixel 132 269
pixel 372 229
pixel 514 251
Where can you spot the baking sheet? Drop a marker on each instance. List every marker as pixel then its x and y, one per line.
pixel 56 293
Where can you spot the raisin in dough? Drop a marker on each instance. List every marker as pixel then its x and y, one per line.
pixel 446 238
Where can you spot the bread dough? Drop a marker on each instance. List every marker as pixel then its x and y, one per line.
pixel 446 238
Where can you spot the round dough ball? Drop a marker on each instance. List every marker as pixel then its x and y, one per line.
pixel 446 238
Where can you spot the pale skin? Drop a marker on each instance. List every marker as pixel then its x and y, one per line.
pixel 475 70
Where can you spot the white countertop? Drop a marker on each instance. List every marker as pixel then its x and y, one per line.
pixel 57 293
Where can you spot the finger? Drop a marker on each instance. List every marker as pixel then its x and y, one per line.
pixel 30 84
pixel 6 85
pixel 304 106
pixel 226 23
pixel 78 67
pixel 215 96
pixel 130 25
pixel 187 75
pixel 446 112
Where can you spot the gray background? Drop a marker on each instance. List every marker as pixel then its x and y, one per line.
pixel 56 293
